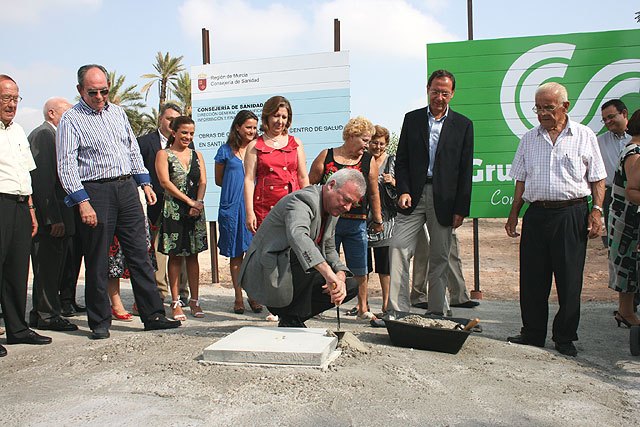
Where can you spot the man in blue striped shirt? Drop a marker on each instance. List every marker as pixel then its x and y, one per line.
pixel 100 166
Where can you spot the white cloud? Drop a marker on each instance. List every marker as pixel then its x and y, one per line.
pixel 238 30
pixel 382 27
pixel 32 11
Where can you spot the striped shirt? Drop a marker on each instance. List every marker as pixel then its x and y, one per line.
pixel 560 171
pixel 95 145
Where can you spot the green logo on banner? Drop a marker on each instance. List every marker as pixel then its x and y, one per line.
pixel 496 82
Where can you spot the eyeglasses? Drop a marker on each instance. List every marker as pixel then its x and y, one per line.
pixel 546 109
pixel 443 93
pixel 605 119
pixel 93 92
pixel 8 98
pixel 378 143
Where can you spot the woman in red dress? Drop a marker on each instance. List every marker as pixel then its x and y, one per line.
pixel 274 164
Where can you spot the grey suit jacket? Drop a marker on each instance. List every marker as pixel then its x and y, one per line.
pixel 293 224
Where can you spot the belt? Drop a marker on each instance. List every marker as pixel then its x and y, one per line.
pixel 117 178
pixel 429 180
pixel 554 204
pixel 18 198
pixel 354 216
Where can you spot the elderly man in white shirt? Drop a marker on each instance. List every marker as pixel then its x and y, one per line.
pixel 18 222
pixel 557 165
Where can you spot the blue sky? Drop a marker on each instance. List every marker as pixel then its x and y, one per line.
pixel 46 41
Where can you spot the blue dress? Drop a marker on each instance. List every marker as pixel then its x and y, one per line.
pixel 235 238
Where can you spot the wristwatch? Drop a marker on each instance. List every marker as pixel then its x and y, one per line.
pixel 598 208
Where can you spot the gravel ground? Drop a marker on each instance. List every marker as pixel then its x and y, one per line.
pixel 152 378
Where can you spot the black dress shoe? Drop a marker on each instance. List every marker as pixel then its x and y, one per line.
pixel 421 305
pixel 31 338
pixel 467 304
pixel 161 322
pixel 290 322
pixel 57 324
pixel 79 308
pixel 524 340
pixel 67 310
pixel 567 348
pixel 3 351
pixel 100 334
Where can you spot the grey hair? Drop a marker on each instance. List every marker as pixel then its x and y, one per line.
pixel 349 175
pixel 82 71
pixel 554 87
pixel 169 106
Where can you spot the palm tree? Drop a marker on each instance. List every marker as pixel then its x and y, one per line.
pixel 181 89
pixel 129 99
pixel 167 69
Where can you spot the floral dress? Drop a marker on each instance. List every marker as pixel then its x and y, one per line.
pixel 179 233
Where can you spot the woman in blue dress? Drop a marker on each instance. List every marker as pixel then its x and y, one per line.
pixel 234 236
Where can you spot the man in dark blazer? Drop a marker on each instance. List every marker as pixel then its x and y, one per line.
pixel 434 165
pixel 150 144
pixel 49 247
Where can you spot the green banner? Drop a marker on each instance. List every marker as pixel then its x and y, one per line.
pixel 496 82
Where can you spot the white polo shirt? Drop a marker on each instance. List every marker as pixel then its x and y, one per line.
pixel 16 160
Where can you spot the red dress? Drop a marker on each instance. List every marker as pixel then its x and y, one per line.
pixel 276 175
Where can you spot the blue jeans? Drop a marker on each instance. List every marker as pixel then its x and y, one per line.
pixel 352 234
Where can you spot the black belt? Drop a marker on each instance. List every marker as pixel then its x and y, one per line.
pixel 429 180
pixel 554 204
pixel 18 198
pixel 117 178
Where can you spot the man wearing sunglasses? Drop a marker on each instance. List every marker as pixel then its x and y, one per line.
pixel 100 167
pixel 611 143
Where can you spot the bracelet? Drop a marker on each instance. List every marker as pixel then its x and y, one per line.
pixel 598 208
pixel 378 222
pixel 200 201
pixel 32 207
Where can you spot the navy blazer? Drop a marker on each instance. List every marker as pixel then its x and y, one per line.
pixel 149 147
pixel 453 168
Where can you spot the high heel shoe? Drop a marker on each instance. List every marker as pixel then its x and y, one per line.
pixel 620 319
pixel 176 310
pixel 126 317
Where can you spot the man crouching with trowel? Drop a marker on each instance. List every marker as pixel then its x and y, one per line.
pixel 292 265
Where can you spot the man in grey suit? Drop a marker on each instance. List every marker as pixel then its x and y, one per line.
pixel 50 246
pixel 292 265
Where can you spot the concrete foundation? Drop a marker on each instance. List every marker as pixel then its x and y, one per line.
pixel 274 346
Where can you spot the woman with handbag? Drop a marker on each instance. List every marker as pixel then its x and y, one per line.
pixel 379 242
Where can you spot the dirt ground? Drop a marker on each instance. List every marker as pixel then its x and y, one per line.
pixel 158 378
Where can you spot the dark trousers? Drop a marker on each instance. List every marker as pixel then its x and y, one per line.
pixel 553 242
pixel 117 206
pixel 48 257
pixel 71 270
pixel 308 296
pixel 15 246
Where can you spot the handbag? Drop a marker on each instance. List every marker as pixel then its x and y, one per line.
pixel 388 193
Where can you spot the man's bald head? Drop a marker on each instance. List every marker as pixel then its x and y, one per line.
pixel 54 108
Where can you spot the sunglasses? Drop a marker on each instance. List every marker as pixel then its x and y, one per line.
pixel 93 92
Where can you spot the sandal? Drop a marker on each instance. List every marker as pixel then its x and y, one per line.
pixel 238 307
pixel 177 313
pixel 196 310
pixel 255 307
pixel 367 315
pixel 352 312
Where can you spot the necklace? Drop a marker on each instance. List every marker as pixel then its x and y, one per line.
pixel 274 141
